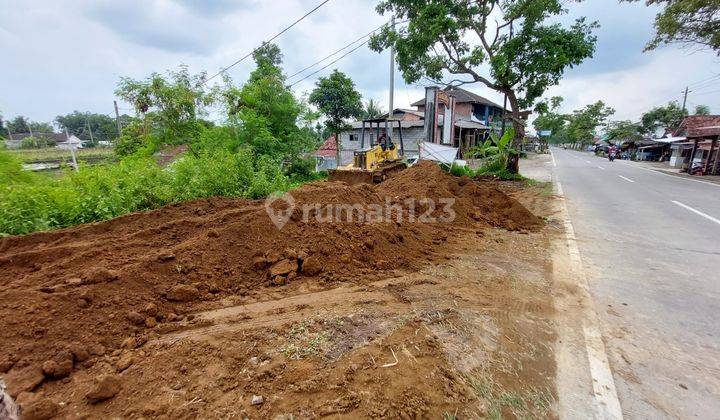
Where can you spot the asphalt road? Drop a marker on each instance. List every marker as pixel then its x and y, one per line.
pixel 651 244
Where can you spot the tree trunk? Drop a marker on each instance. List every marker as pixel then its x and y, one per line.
pixel 513 162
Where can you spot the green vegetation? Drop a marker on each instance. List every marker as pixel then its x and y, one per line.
pixel 521 43
pixel 336 97
pixel 578 127
pixel 36 142
pixel 666 117
pixel 372 109
pixel 91 127
pixel 529 403
pixel 53 154
pixel 30 202
pixel 259 149
pixel 495 153
pixel 581 126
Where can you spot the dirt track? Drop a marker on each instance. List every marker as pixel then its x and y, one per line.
pixel 359 319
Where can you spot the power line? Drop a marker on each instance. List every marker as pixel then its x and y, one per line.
pixel 707 83
pixel 336 52
pixel 694 85
pixel 707 93
pixel 267 42
pixel 329 64
pixel 339 58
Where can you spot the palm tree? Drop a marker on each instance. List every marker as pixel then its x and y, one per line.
pixel 372 110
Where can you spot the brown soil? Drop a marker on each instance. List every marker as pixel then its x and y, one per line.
pixel 193 309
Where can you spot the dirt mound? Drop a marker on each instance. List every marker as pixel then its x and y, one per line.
pixel 73 297
pixel 472 201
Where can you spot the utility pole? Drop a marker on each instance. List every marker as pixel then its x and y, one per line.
pixel 72 149
pixel 92 140
pixel 117 119
pixel 685 98
pixel 392 80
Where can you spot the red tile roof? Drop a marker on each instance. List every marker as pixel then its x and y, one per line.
pixel 699 126
pixel 328 149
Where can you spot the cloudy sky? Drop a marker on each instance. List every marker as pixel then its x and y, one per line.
pixel 65 55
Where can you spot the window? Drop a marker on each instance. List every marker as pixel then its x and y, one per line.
pixel 354 137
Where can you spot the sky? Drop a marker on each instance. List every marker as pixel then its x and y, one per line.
pixel 65 55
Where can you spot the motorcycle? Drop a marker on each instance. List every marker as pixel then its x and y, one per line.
pixel 611 156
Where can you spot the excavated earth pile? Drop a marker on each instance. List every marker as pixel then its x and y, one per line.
pixel 75 297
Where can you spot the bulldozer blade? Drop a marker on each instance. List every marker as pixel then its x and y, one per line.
pixel 351 177
pixel 354 176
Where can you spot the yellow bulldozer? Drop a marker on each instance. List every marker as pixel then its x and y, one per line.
pixel 378 161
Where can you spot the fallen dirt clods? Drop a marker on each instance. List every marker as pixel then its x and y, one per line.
pixel 207 309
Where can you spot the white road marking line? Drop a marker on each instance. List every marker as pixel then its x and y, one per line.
pixel 588 162
pixel 698 212
pixel 670 175
pixel 601 167
pixel 552 155
pixel 605 393
pixel 626 179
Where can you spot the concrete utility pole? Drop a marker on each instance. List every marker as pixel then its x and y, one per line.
pixel 392 80
pixel 685 98
pixel 117 119
pixel 92 140
pixel 72 149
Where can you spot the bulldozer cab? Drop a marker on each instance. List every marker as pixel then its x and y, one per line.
pixel 379 155
pixel 383 128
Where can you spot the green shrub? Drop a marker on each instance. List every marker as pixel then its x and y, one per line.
pixel 30 202
pixel 458 170
pixel 31 142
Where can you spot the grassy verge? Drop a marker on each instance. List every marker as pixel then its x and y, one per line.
pixel 31 202
pixel 53 154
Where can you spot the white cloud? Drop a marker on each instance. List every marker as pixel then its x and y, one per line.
pixel 635 90
pixel 63 55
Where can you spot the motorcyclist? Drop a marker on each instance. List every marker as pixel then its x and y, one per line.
pixel 612 152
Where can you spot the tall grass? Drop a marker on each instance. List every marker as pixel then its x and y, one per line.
pixel 31 202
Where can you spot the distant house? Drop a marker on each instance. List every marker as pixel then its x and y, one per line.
pixel 699 137
pixel 470 106
pixel 326 155
pixel 473 118
pixel 60 139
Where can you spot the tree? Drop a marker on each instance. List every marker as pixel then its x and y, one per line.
pixel 336 97
pixel 82 124
pixel 667 117
pixel 702 110
pixel 41 127
pixel 525 52
pixel 170 105
pixel 583 122
pixel 3 130
pixel 264 113
pixel 549 118
pixel 372 110
pixel 19 124
pixel 624 130
pixel 688 22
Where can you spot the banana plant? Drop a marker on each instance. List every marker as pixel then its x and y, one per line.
pixel 495 146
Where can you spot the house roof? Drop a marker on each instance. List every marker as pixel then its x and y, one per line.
pixel 328 148
pixel 58 137
pixel 699 126
pixel 462 96
pixel 404 124
pixel 462 123
pixel 404 111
